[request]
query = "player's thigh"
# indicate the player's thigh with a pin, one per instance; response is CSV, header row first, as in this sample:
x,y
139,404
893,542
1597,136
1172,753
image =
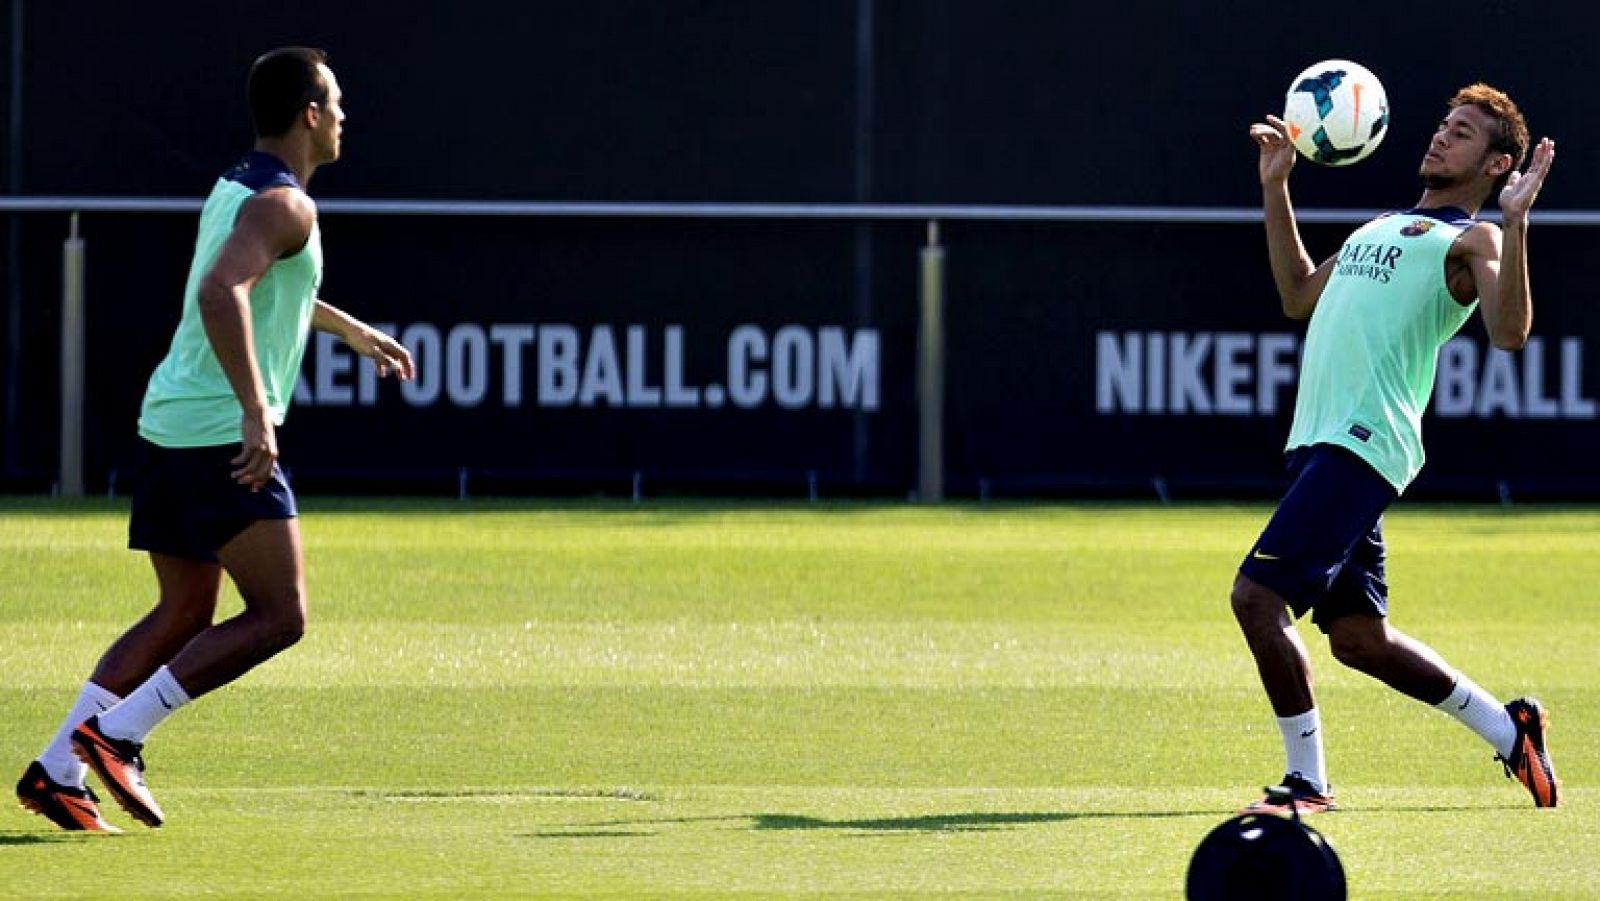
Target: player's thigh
x,y
1332,507
264,561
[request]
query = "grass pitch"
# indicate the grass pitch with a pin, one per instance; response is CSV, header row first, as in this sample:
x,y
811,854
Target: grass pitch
x,y
696,699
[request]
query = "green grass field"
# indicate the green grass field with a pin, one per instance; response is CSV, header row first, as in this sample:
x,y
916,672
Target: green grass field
x,y
710,699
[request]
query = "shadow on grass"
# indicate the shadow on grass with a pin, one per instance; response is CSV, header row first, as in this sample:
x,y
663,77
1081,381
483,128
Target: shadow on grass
x,y
929,823
590,833
944,822
499,794
46,838
939,822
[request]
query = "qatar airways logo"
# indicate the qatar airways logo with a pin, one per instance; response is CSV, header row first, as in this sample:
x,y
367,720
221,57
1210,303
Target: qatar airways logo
x,y
1370,261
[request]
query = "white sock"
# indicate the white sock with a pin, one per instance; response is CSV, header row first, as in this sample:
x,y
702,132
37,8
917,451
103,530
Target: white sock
x,y
1479,711
1302,744
58,759
145,708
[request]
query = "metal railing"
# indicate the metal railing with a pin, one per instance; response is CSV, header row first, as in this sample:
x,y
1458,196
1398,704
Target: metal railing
x,y
860,212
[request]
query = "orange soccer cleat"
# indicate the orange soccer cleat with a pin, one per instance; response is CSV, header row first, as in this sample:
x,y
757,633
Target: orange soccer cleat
x,y
119,766
1530,762
1301,795
73,809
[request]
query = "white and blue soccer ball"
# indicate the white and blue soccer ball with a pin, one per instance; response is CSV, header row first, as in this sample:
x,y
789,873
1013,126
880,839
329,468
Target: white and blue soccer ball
x,y
1337,112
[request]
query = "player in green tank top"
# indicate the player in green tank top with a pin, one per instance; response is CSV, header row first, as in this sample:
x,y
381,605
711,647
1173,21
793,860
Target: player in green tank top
x,y
190,401
211,497
1379,311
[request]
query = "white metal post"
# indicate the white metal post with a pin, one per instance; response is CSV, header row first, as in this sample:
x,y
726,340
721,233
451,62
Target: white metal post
x,y
930,372
70,481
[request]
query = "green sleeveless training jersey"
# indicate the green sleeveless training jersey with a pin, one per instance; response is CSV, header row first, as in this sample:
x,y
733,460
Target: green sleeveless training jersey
x,y
1372,348
189,402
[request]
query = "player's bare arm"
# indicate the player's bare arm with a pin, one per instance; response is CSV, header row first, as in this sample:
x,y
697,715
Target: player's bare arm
x,y
1298,279
1497,258
388,354
271,225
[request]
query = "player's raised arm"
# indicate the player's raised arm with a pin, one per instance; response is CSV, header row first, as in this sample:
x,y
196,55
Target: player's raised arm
x,y
1499,261
1298,279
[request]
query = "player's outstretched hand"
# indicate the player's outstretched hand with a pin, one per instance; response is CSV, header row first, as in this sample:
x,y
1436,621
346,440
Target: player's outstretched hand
x,y
388,354
1517,197
1277,151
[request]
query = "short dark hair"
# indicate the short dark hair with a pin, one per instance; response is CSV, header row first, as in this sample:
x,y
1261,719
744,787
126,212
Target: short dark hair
x,y
1510,132
282,82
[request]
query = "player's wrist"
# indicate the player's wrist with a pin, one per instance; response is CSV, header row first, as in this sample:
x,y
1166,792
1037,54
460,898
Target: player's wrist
x,y
354,332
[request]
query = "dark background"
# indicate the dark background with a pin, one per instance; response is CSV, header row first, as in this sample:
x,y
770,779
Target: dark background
x,y
830,101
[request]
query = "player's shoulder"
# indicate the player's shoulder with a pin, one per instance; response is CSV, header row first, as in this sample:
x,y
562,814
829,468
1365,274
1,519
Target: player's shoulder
x,y
1480,238
281,215
283,200
281,211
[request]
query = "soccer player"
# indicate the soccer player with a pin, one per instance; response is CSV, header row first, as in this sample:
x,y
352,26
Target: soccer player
x,y
211,498
1380,308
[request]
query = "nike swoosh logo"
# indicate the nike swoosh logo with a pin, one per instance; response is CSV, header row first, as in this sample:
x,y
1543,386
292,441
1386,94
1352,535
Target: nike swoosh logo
x,y
163,699
86,811
1463,704
1308,733
1259,554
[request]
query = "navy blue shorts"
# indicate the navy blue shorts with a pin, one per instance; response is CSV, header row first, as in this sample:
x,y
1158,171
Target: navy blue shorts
x,y
186,503
1323,548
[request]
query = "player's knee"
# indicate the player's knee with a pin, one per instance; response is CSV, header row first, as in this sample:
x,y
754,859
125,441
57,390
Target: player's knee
x,y
1254,605
1355,649
180,619
189,609
198,618
288,632
289,628
282,624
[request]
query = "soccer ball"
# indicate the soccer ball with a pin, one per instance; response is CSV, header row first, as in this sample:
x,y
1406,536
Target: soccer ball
x,y
1337,112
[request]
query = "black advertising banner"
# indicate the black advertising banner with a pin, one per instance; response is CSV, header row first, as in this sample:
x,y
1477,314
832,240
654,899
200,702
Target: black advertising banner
x,y
1082,358
1154,359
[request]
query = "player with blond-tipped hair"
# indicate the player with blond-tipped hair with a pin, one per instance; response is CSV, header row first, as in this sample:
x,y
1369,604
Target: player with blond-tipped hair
x,y
1380,309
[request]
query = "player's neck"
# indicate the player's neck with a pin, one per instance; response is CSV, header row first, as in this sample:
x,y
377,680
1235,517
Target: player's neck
x,y
295,154
1468,197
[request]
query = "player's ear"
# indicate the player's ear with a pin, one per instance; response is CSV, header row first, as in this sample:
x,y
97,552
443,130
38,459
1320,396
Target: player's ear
x,y
1500,164
312,113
